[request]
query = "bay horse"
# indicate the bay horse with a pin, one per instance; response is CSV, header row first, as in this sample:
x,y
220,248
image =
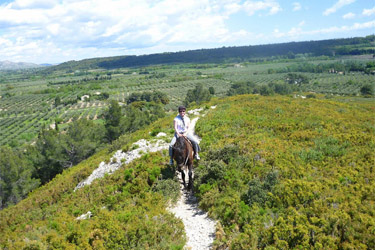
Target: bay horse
x,y
183,154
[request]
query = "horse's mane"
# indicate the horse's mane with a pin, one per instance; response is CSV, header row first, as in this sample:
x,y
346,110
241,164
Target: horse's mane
x,y
180,143
181,149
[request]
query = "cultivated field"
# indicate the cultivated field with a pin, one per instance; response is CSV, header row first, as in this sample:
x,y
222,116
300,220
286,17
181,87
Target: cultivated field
x,y
28,100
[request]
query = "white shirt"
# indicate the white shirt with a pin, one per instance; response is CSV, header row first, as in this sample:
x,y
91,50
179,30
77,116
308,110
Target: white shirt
x,y
181,127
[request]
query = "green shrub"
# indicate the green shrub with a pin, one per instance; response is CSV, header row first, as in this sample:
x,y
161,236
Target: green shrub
x,y
242,88
224,154
258,190
198,95
169,188
367,90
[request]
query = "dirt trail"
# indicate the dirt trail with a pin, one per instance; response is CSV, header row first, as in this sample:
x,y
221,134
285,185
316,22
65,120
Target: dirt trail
x,y
199,228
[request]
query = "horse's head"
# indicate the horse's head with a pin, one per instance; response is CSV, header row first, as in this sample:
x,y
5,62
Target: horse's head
x,y
180,151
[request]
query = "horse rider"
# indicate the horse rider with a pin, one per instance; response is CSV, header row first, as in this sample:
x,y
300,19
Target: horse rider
x,y
181,125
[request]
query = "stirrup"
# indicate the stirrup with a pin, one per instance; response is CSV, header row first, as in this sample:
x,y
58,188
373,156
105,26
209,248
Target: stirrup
x,y
197,157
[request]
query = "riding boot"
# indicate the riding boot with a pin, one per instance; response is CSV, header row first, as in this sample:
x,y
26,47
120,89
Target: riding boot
x,y
196,150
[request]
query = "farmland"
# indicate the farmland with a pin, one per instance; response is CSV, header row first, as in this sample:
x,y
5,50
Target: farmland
x,y
29,99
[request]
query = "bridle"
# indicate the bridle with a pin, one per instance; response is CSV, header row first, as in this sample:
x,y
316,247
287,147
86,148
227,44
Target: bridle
x,y
187,156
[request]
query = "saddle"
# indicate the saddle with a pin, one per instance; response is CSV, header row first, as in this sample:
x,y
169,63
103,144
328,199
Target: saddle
x,y
191,144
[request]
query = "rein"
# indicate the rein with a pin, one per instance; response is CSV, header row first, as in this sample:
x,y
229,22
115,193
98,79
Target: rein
x,y
188,153
187,156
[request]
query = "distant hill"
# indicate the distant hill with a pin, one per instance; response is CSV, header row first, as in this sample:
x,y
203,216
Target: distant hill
x,y
47,64
332,47
8,65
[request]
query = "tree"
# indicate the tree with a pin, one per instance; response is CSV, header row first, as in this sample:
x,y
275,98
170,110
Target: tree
x,y
50,159
197,95
291,55
265,90
82,139
135,118
57,101
113,118
134,97
156,96
293,78
15,177
281,88
242,88
54,152
367,90
211,90
140,114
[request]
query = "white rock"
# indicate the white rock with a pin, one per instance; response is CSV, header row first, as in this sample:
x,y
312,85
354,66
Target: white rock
x,y
195,111
84,216
120,158
161,134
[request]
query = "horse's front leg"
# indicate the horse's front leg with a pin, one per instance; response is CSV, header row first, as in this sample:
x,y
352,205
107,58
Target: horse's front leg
x,y
190,185
183,177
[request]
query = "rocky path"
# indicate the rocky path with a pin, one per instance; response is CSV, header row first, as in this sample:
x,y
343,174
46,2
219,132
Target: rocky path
x,y
200,230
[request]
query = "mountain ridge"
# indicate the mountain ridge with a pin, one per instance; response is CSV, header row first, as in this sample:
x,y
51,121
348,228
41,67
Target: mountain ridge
x,y
8,65
331,47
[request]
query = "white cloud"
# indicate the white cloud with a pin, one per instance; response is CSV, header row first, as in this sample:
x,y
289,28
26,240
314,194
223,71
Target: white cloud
x,y
60,30
272,6
5,42
336,6
296,6
369,12
33,4
197,30
13,16
298,32
53,28
349,15
232,8
111,25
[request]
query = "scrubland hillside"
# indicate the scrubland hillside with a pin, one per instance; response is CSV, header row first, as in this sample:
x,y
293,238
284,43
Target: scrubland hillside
x,y
276,172
284,173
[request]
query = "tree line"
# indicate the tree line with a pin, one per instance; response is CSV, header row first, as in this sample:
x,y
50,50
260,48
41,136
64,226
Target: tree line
x,y
331,47
242,53
349,66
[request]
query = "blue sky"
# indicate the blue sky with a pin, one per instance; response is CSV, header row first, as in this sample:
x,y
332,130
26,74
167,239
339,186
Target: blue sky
x,y
55,31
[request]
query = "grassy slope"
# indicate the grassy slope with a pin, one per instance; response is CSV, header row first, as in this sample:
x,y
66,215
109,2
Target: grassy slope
x,y
126,213
320,153
300,175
